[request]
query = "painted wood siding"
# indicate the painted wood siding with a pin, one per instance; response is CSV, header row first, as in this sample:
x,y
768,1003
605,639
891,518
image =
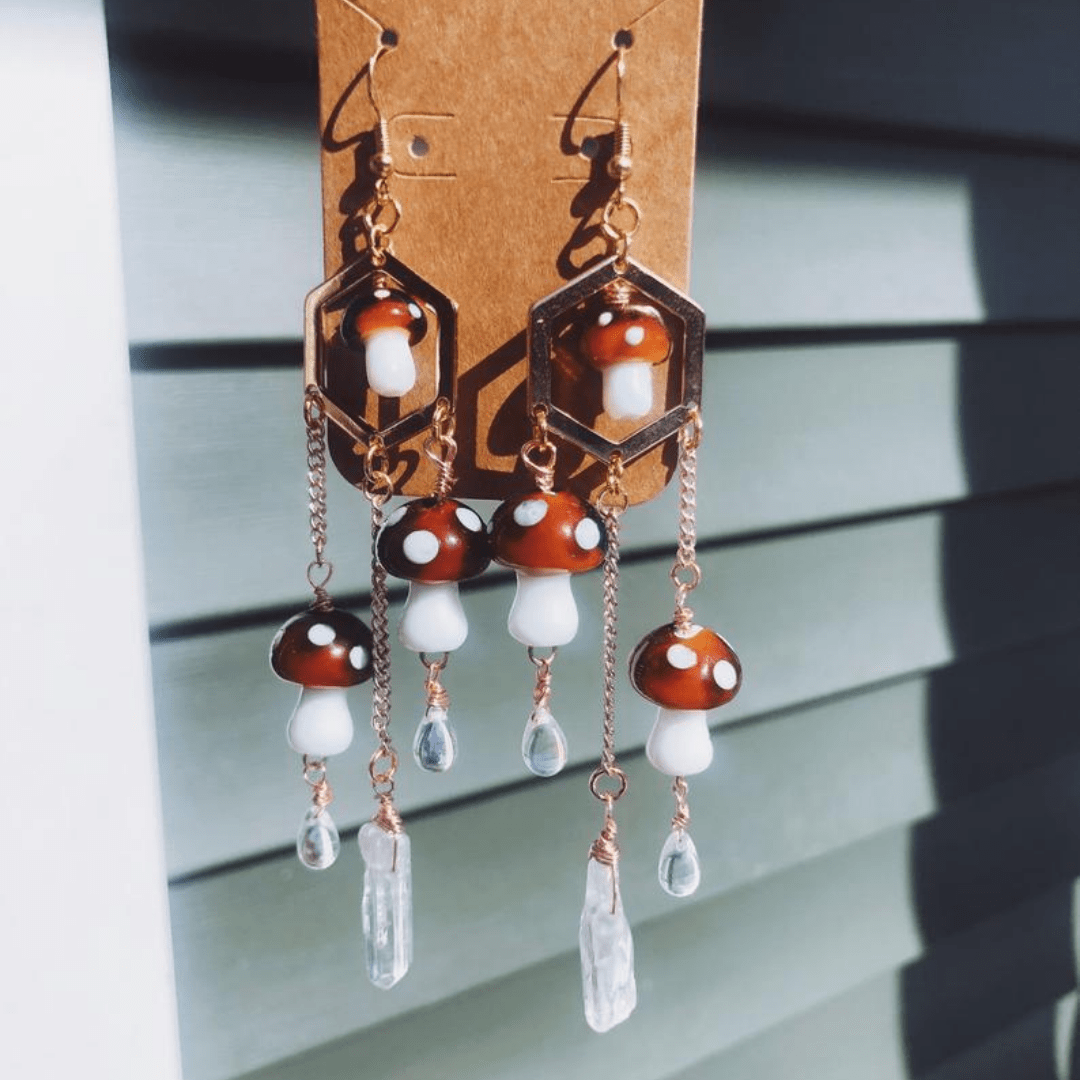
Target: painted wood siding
x,y
887,244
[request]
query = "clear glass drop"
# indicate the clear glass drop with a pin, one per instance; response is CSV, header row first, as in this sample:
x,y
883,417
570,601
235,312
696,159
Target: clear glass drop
x,y
317,842
386,908
607,951
435,745
543,746
680,869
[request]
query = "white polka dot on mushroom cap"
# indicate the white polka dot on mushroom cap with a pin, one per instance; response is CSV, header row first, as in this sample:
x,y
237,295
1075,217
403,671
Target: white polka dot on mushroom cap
x,y
381,294
587,534
724,675
358,657
321,634
634,335
469,518
605,319
420,547
681,657
530,512
397,515
414,311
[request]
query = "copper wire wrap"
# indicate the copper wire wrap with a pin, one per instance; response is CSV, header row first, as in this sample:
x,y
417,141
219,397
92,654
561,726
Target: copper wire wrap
x,y
437,697
542,689
539,453
441,447
320,568
681,819
686,573
314,771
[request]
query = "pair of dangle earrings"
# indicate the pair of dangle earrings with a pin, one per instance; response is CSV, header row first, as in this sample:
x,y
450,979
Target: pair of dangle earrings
x,y
363,329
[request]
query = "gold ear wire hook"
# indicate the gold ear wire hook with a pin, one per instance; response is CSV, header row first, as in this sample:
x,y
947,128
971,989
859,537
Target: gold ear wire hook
x,y
382,164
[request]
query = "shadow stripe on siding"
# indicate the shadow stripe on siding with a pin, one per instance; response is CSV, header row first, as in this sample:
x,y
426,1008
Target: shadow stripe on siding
x,y
811,615
783,940
794,436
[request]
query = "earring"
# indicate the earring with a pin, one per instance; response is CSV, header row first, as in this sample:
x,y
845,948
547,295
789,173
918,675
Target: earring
x,y
545,536
434,543
324,650
625,322
360,327
685,669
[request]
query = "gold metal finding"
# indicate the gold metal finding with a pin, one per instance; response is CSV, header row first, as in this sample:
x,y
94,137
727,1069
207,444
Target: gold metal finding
x,y
621,216
441,447
681,820
685,572
382,212
437,696
542,690
539,453
314,771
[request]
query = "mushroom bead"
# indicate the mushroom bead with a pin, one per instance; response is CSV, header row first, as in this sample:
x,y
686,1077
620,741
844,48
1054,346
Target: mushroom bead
x,y
623,342
434,543
685,671
385,324
546,536
325,652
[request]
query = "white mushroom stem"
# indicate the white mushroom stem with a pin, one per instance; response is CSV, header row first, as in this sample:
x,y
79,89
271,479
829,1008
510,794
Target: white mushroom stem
x,y
679,743
391,370
544,614
628,389
320,724
433,620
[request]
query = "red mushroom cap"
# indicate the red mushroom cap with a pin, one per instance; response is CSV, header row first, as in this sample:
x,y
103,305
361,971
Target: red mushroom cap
x,y
434,540
621,332
382,309
322,649
548,530
693,668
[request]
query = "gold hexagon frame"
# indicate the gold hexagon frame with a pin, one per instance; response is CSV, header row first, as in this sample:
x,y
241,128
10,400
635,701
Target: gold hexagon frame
x,y
689,350
338,291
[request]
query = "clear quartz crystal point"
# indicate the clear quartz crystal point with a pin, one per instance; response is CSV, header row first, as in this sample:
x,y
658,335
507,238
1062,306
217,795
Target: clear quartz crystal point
x,y
680,870
317,842
543,746
387,905
607,951
435,745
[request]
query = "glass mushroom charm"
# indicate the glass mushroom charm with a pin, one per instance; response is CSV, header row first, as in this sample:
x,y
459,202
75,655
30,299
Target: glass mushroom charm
x,y
546,536
623,341
385,324
434,543
685,669
325,651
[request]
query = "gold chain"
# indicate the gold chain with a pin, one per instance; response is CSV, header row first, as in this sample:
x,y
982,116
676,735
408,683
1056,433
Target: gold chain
x,y
612,502
378,487
686,573
320,568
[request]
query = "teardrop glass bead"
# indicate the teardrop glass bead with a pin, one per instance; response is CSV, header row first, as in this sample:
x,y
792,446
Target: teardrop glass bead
x,y
680,869
435,745
318,842
543,746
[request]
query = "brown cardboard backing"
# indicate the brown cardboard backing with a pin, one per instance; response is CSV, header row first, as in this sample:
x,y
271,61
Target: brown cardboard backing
x,y
504,206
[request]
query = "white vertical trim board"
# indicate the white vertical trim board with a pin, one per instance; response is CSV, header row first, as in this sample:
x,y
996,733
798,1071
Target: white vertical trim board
x,y
86,984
